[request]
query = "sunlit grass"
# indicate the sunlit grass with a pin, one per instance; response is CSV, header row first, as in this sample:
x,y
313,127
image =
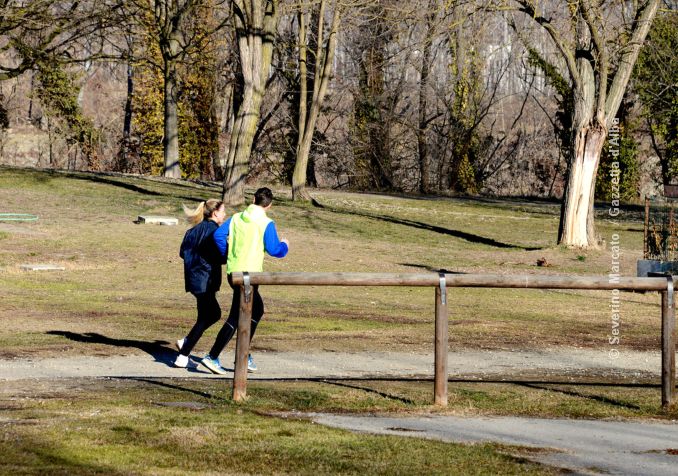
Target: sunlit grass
x,y
120,275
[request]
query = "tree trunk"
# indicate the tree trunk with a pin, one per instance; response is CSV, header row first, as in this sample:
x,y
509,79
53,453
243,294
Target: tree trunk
x,y
256,24
587,143
578,230
127,122
245,121
324,58
30,98
422,145
171,128
303,148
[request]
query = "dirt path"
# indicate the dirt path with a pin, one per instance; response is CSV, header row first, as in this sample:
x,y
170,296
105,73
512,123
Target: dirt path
x,y
463,364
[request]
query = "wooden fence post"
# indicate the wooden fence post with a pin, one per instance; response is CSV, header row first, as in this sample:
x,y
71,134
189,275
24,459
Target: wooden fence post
x,y
242,345
441,344
668,345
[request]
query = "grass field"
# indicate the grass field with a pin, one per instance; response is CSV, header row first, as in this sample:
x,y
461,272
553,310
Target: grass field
x,y
124,281
137,427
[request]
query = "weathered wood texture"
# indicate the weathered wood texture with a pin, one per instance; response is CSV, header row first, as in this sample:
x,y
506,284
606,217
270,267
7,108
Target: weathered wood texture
x,y
242,347
455,280
441,318
668,349
441,347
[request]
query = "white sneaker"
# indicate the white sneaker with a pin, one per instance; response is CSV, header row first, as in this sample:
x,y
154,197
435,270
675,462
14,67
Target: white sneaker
x,y
180,343
181,361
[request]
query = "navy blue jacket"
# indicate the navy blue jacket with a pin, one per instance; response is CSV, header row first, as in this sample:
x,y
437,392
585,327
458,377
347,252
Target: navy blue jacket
x,y
202,259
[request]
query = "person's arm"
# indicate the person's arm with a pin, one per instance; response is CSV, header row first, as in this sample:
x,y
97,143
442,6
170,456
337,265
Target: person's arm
x,y
272,244
221,237
184,243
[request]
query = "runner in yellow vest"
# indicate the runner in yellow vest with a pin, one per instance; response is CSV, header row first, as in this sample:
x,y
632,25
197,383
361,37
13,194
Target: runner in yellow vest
x,y
246,236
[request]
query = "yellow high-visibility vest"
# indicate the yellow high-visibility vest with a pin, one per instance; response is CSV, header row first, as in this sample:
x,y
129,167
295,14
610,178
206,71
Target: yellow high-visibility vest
x,y
246,240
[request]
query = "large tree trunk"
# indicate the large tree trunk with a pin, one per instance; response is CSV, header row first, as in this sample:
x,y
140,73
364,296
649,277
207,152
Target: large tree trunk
x,y
245,123
255,26
171,127
587,143
168,17
127,122
578,230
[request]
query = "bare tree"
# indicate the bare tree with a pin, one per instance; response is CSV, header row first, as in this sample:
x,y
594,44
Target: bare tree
x,y
39,29
309,108
599,59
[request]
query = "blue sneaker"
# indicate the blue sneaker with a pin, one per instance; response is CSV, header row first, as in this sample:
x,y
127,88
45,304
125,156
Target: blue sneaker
x,y
213,365
251,366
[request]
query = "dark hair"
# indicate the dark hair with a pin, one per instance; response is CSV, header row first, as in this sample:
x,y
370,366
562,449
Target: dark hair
x,y
263,197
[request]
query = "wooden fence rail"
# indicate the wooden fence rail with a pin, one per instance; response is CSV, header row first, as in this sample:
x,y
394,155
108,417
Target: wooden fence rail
x,y
441,282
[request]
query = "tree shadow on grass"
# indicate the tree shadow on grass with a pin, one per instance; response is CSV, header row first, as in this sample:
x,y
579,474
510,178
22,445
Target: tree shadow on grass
x,y
367,389
157,349
133,188
160,383
470,237
431,269
41,454
572,393
362,383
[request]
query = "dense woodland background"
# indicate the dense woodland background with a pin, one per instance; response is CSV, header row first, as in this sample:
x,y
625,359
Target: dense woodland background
x,y
432,96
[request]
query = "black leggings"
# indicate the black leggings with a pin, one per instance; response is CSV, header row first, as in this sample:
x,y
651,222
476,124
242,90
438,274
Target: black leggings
x,y
231,324
209,312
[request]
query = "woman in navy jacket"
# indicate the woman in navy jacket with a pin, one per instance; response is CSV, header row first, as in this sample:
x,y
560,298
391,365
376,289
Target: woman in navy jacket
x,y
202,271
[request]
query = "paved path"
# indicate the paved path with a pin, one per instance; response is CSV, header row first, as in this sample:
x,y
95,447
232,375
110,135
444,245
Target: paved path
x,y
585,446
473,364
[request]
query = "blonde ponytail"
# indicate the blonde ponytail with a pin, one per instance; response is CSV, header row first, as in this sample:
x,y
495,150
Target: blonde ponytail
x,y
204,211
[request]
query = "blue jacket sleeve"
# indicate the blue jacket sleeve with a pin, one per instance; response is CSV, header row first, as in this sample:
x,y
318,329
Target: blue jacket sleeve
x,y
221,237
272,243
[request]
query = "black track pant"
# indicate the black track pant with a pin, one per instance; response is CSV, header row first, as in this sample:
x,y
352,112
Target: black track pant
x,y
209,312
231,324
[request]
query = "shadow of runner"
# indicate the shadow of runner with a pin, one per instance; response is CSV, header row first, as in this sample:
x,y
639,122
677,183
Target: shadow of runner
x,y
157,349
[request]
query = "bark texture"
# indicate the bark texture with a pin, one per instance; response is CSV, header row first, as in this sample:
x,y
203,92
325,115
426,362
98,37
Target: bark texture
x,y
256,22
308,116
